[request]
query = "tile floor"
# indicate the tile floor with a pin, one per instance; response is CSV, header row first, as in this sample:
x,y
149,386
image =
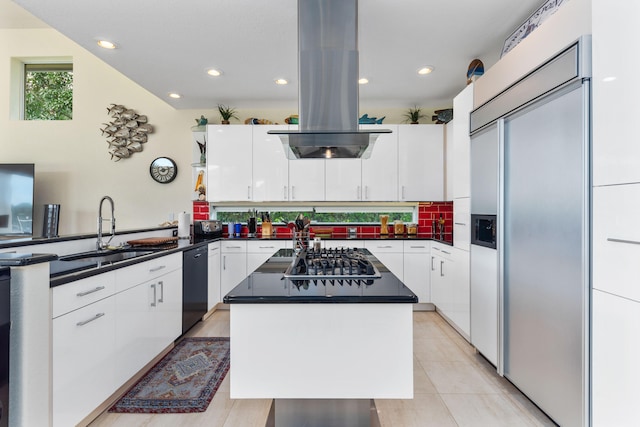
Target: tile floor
x,y
453,386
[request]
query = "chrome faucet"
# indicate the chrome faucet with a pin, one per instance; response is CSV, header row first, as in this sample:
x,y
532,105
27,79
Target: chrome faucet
x,y
99,244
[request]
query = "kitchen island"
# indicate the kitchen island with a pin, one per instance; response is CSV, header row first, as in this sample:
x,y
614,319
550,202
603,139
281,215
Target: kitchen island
x,y
320,347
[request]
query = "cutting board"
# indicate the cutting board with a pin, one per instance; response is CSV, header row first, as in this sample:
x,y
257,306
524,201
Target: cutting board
x,y
152,241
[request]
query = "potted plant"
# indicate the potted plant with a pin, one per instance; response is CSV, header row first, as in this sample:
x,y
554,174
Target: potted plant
x,y
226,113
413,115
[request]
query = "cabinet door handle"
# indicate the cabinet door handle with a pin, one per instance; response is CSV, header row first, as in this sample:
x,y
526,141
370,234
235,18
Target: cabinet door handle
x,y
441,268
197,255
432,266
161,284
224,262
359,192
459,223
248,192
631,242
293,192
84,322
285,192
84,293
153,304
158,268
402,191
366,192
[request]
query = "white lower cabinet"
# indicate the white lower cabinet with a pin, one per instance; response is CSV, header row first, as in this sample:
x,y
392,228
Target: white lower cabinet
x,y
149,318
450,290
416,268
213,275
442,273
99,346
390,253
615,355
233,268
84,366
484,301
258,251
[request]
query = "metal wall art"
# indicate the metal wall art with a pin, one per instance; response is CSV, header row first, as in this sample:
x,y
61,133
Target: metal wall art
x,y
126,132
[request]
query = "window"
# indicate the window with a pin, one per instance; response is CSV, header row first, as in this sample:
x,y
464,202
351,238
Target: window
x,y
48,91
320,215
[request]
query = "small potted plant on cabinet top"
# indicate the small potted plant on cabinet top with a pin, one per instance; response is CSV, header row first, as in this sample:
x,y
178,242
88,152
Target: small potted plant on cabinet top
x,y
226,113
413,115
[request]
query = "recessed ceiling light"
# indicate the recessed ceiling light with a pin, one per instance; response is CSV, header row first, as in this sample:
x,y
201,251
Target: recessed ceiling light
x,y
363,81
425,70
281,81
105,44
213,72
175,95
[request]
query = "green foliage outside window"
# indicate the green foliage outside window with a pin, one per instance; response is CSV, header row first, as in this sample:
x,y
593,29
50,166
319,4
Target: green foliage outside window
x,y
321,217
48,92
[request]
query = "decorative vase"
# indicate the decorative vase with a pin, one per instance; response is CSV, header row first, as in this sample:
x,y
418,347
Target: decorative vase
x,y
226,122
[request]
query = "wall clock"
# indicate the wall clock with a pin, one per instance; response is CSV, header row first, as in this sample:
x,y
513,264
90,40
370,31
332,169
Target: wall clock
x,y
163,170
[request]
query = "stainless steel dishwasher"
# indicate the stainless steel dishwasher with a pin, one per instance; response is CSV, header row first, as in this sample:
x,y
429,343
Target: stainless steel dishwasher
x,y
194,286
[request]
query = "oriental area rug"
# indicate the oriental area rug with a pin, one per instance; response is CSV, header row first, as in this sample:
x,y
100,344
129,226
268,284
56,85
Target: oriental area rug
x,y
184,380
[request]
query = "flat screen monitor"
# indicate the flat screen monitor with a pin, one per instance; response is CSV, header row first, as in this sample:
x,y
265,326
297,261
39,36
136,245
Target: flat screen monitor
x,y
16,199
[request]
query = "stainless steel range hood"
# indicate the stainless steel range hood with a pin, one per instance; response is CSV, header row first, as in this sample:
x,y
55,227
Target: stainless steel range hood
x,y
328,84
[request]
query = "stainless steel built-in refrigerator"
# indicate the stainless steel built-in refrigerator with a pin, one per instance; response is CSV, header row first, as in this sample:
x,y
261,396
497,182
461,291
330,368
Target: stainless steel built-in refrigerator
x,y
544,123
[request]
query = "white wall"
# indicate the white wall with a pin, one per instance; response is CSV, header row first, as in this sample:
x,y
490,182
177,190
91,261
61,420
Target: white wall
x,y
572,20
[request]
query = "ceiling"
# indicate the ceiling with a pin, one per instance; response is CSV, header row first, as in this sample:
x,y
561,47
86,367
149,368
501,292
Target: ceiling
x,y
167,45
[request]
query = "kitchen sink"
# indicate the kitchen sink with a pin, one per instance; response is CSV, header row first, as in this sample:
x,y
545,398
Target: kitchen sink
x,y
105,256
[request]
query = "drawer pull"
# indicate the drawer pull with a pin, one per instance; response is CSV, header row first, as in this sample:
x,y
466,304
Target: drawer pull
x,y
385,247
85,293
266,247
158,268
631,242
460,223
213,249
234,247
418,247
445,252
84,322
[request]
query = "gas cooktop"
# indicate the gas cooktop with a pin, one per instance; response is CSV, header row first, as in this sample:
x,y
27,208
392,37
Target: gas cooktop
x,y
332,263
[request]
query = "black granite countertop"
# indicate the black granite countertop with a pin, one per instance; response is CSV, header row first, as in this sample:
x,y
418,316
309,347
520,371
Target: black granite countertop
x,y
267,285
13,259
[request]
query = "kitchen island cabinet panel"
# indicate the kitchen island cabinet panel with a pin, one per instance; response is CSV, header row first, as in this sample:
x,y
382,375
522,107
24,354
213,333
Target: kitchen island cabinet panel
x,y
84,362
229,163
270,165
380,171
420,165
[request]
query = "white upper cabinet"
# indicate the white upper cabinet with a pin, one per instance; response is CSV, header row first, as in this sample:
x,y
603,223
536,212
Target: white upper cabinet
x,y
306,178
380,171
616,152
343,180
270,165
420,165
460,140
229,163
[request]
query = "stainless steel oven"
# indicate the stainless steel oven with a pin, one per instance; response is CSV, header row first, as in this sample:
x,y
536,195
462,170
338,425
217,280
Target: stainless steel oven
x,y
483,230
